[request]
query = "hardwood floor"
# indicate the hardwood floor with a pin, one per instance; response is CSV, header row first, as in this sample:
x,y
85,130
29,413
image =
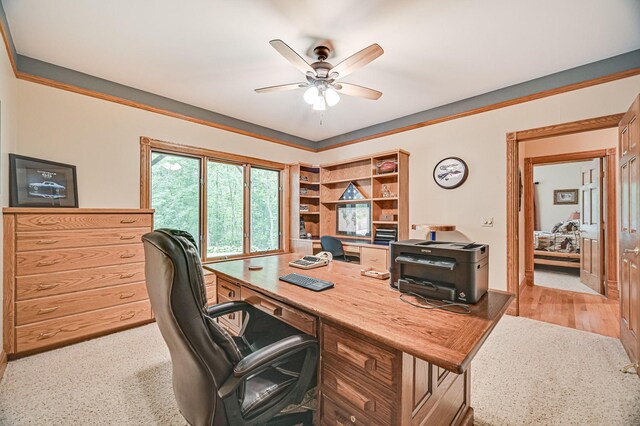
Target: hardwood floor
x,y
587,312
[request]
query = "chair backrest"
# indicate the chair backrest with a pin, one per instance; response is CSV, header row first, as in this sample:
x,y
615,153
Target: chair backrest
x,y
202,353
332,245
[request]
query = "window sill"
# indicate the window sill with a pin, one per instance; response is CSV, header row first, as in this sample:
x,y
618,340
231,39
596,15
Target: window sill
x,y
241,256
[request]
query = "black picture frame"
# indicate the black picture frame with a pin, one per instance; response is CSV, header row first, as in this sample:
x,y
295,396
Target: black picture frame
x,y
353,206
441,176
34,182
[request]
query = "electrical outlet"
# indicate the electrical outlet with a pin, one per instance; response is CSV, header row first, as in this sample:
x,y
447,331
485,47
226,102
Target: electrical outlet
x,y
487,221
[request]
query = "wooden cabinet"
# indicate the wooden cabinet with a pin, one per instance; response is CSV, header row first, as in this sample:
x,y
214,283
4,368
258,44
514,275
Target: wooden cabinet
x,y
374,257
71,274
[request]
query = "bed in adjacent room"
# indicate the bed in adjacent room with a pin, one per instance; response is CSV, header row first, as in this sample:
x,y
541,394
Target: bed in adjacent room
x,y
560,246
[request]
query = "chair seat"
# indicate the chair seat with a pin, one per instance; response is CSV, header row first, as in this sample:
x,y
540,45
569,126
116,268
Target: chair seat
x,y
261,389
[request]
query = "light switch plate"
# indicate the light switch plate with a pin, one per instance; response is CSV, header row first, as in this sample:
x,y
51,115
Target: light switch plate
x,y
487,221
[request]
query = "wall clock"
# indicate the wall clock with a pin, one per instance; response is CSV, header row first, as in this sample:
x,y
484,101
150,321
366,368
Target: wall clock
x,y
450,173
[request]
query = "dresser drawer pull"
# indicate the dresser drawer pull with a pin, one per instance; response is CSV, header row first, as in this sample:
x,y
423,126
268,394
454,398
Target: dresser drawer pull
x,y
47,262
47,241
48,310
127,316
127,237
355,356
123,276
355,397
47,334
127,295
128,220
127,255
46,286
47,222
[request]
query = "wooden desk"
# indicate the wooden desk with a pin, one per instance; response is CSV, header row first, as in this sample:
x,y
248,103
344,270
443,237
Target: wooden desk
x,y
382,361
373,255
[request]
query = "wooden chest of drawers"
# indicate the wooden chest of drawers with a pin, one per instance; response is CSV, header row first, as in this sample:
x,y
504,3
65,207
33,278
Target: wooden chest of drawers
x,y
71,274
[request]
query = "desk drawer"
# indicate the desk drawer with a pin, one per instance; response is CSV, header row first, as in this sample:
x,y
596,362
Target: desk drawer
x,y
40,262
47,222
212,295
29,241
44,308
335,415
368,359
228,290
375,258
351,393
232,321
32,286
75,327
285,313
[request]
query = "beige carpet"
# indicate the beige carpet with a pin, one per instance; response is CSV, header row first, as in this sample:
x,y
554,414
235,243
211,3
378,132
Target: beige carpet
x,y
560,279
528,373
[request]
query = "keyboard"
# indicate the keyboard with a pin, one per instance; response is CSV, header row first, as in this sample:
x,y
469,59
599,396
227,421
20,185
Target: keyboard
x,y
310,283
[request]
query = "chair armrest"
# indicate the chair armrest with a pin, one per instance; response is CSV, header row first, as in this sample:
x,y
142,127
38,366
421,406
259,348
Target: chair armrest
x,y
267,356
272,353
226,308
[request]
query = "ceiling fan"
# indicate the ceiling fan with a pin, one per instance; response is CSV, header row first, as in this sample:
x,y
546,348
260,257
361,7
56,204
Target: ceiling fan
x,y
322,87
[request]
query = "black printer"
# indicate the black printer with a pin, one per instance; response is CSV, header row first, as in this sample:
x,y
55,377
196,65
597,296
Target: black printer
x,y
441,270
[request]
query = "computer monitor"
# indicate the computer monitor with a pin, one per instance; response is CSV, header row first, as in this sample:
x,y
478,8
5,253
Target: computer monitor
x,y
354,219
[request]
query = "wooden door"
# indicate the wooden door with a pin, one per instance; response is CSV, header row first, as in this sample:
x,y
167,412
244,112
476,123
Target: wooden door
x,y
629,148
591,226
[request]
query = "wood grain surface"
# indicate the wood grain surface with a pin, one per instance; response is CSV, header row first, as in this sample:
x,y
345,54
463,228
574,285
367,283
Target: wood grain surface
x,y
371,308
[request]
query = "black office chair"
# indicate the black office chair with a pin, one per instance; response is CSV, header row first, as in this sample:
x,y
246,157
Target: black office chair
x,y
219,379
334,246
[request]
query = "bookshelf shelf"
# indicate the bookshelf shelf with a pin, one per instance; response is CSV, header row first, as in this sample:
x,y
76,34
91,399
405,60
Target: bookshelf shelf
x,y
385,222
364,200
331,182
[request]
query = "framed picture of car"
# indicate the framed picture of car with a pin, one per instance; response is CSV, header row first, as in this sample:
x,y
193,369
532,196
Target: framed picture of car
x,y
41,183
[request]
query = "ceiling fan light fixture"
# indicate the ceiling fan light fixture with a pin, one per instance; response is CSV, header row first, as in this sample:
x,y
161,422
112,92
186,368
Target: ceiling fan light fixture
x,y
320,104
310,95
331,96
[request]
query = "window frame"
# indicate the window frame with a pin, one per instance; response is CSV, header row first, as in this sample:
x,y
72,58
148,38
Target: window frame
x,y
149,145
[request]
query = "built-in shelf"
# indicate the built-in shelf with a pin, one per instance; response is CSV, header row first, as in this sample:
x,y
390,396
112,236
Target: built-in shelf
x,y
309,212
305,182
385,199
352,237
329,182
310,196
385,222
385,175
364,200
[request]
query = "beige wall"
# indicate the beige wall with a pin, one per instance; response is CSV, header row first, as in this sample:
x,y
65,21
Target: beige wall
x,y
8,133
480,141
103,140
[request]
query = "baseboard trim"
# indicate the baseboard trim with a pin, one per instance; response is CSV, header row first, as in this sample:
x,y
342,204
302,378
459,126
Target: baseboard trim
x,y
612,290
3,363
523,284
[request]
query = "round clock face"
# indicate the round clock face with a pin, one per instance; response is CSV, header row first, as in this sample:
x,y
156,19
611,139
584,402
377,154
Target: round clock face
x,y
450,173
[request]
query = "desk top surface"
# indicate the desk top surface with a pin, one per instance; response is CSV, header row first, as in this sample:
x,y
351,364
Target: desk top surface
x,y
370,307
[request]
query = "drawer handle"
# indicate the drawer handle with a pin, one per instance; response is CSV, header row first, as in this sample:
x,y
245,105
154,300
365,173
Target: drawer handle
x,y
47,334
127,237
355,397
47,222
128,220
355,356
48,310
46,286
230,293
344,421
47,262
47,241
127,295
270,308
127,316
127,255
123,276
232,316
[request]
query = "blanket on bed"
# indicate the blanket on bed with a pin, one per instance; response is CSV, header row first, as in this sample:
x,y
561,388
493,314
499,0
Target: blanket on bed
x,y
563,238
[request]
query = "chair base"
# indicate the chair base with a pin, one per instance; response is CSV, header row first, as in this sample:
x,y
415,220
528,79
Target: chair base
x,y
304,418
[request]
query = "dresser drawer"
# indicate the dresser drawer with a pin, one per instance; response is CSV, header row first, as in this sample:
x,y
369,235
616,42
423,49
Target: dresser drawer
x,y
28,241
285,313
369,360
43,222
29,311
355,394
375,258
74,327
39,262
335,415
32,286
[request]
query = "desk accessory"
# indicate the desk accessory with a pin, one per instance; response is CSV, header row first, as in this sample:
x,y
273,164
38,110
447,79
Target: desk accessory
x,y
310,262
255,268
370,272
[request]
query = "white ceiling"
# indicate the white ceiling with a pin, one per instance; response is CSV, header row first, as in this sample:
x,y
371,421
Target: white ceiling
x,y
213,53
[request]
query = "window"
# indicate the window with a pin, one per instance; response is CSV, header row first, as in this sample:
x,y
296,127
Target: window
x,y
232,205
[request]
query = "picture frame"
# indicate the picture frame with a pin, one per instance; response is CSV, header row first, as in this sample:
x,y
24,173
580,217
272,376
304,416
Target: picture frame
x,y
565,196
450,172
34,182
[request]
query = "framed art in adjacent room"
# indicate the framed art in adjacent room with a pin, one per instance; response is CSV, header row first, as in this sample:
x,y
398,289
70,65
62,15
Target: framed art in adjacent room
x,y
565,196
41,183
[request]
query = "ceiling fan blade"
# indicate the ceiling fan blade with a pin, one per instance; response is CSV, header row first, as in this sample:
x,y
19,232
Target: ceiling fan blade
x,y
357,61
291,56
359,91
281,88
